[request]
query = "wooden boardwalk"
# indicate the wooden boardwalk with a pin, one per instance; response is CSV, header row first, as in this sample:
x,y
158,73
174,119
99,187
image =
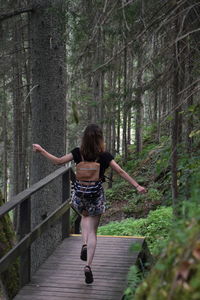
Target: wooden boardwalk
x,y
62,276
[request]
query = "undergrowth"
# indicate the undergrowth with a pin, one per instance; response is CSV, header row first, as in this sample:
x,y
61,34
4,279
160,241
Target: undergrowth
x,y
155,228
177,271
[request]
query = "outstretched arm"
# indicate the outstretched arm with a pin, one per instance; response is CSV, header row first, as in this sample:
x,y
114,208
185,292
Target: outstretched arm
x,y
127,177
56,160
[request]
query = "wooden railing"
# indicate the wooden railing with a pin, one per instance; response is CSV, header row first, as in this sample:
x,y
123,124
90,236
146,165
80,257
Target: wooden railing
x,y
27,236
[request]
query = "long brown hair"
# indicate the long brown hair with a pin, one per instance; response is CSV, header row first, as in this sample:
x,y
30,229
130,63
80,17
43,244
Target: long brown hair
x,y
92,142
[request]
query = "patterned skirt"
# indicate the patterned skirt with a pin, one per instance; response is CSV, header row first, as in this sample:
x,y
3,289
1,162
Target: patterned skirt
x,y
92,207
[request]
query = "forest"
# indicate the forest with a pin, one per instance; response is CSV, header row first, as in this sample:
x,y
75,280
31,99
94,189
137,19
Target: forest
x,y
132,67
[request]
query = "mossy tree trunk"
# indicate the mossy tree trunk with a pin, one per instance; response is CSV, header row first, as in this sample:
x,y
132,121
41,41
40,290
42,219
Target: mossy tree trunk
x,y
10,278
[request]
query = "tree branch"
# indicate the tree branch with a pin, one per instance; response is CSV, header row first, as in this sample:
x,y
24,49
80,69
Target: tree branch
x,y
12,13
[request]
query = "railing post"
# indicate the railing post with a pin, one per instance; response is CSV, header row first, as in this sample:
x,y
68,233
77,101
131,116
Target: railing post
x,y
25,228
66,191
77,225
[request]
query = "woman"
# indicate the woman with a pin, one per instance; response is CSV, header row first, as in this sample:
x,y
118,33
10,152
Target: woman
x,y
92,149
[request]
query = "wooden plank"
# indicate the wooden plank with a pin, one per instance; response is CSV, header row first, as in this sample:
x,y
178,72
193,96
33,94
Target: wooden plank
x,y
112,274
62,275
78,287
100,261
60,281
16,200
60,267
60,295
79,271
103,285
84,290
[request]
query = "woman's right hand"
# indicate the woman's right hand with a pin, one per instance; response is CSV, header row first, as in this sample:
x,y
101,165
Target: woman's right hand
x,y
37,148
141,189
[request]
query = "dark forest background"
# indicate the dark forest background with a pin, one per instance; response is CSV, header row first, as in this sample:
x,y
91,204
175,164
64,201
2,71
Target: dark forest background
x,y
130,66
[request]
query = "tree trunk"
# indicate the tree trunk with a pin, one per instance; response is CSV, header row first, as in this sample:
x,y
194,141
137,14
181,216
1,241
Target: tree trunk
x,y
97,81
9,278
89,106
175,126
102,58
18,161
182,69
189,123
47,24
17,115
129,127
124,143
129,96
26,109
159,117
5,144
109,113
118,115
139,106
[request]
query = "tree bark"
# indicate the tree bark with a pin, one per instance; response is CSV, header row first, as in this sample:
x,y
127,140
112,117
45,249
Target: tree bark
x,y
124,143
48,60
27,107
118,115
10,278
175,125
190,101
5,143
19,171
139,106
130,97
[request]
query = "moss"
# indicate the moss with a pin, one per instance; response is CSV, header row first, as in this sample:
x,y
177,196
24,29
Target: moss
x,y
10,278
176,274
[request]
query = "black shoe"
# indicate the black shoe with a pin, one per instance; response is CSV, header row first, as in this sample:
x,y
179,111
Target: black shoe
x,y
88,275
83,255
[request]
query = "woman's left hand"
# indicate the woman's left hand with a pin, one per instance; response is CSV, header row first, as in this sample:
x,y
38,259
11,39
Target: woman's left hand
x,y
141,189
37,148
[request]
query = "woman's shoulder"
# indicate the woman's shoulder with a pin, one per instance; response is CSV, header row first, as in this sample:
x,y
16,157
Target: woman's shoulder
x,y
75,150
106,155
76,154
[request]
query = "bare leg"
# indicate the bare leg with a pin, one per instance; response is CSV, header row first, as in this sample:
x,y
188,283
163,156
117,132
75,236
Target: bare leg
x,y
92,225
84,233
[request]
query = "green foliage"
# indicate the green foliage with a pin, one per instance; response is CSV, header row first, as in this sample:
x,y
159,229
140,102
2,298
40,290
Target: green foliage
x,y
134,279
163,160
137,203
188,173
147,149
154,194
155,228
177,271
125,227
131,164
149,132
118,192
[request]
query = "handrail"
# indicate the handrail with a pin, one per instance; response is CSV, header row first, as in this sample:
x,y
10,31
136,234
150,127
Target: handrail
x,y
19,198
27,237
23,245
